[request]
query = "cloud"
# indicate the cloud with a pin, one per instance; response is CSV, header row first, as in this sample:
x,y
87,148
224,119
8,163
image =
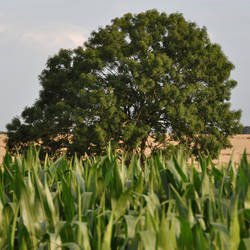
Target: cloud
x,y
46,37
53,39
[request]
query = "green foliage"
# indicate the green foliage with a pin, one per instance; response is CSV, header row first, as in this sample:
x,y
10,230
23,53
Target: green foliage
x,y
145,74
101,203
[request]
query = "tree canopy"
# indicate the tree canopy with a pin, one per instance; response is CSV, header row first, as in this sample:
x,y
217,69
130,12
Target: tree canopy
x,y
143,75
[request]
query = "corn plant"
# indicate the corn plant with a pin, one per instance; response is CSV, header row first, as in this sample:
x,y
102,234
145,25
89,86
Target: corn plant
x,y
109,202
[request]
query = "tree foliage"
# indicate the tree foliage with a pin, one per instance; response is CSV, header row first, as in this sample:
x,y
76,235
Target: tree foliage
x,y
142,75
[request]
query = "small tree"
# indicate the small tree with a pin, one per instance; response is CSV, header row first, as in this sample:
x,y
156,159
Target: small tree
x,y
143,75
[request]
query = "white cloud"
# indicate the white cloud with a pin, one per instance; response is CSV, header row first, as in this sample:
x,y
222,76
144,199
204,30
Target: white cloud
x,y
53,39
48,38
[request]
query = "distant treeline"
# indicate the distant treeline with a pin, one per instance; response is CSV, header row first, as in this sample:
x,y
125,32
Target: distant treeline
x,y
246,130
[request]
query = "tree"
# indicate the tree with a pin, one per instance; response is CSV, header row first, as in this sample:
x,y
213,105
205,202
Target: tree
x,y
142,75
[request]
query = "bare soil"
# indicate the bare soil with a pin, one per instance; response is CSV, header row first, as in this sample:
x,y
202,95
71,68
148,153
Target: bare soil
x,y
239,142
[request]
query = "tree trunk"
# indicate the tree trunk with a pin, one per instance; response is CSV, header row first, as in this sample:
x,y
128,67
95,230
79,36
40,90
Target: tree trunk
x,y
143,147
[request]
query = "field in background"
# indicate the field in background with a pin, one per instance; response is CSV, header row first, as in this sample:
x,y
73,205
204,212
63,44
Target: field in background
x,y
2,146
239,142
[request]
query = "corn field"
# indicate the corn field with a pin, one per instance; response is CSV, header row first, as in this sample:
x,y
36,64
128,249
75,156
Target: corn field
x,y
109,202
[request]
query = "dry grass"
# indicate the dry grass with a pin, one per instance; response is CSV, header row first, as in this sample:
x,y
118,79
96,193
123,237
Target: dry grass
x,y
2,146
239,142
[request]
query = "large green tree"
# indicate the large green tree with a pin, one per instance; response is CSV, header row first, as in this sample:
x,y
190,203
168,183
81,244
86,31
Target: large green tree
x,y
143,75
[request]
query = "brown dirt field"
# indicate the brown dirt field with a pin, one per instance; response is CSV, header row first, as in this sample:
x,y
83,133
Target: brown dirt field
x,y
239,142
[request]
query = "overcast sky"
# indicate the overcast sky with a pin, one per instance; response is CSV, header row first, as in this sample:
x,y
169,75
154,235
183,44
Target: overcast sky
x,y
31,31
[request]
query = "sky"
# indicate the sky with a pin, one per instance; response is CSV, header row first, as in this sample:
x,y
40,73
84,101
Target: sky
x,y
32,31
